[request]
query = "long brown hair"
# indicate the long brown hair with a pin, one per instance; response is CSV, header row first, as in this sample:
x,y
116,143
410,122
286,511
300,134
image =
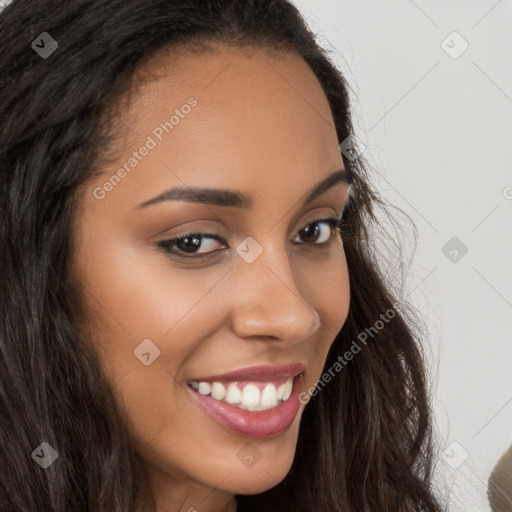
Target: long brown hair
x,y
366,438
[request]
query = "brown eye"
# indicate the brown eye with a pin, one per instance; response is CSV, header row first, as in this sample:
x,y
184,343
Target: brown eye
x,y
186,245
314,235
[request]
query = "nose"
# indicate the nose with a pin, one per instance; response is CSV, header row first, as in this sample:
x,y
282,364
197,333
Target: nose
x,y
268,302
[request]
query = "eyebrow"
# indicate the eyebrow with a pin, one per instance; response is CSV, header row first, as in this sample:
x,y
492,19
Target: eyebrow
x,y
236,199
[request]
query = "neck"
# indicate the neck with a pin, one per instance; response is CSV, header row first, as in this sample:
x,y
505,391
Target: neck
x,y
187,496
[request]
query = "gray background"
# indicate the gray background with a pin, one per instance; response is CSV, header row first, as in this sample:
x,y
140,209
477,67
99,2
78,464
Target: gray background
x,y
438,130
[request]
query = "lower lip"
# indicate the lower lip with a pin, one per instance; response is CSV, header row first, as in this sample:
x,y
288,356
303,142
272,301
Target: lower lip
x,y
252,423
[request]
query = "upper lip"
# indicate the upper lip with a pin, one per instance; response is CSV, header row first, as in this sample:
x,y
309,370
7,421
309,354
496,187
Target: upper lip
x,y
263,373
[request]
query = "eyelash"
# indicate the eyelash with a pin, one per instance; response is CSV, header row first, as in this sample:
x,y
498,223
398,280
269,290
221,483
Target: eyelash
x,y
167,245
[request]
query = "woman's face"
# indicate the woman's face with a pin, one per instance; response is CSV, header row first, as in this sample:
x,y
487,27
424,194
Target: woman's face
x,y
272,291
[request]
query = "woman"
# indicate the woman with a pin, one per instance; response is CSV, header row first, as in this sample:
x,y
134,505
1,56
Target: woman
x,y
193,316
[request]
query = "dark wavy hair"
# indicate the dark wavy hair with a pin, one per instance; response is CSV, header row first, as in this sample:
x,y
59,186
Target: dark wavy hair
x,y
366,441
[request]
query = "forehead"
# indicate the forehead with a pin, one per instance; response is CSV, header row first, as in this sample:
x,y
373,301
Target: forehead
x,y
222,118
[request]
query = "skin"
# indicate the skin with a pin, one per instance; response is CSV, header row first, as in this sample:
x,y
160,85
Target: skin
x,y
263,126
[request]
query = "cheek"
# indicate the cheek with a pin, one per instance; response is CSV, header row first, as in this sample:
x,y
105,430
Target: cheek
x,y
329,293
131,298
139,294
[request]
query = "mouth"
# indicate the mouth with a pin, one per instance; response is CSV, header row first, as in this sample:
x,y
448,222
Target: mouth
x,y
256,401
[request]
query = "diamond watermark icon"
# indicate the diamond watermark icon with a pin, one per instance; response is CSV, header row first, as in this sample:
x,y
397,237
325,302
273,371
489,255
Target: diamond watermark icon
x,y
454,249
249,455
454,45
455,455
351,148
249,249
44,45
45,455
146,352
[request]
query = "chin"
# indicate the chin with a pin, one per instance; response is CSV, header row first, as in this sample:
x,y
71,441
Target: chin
x,y
258,481
264,474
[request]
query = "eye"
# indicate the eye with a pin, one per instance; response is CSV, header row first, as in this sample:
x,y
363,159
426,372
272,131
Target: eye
x,y
316,236
188,243
200,246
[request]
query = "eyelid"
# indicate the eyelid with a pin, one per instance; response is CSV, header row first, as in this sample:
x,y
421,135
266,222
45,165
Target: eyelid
x,y
215,234
202,230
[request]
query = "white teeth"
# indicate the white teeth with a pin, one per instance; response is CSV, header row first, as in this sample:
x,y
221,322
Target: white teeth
x,y
204,388
287,389
233,394
269,397
250,397
218,391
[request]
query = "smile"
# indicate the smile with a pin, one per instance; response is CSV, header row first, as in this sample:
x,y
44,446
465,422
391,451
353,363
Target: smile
x,y
254,402
251,396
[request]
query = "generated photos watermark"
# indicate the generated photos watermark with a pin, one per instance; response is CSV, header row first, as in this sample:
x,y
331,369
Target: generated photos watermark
x,y
158,133
355,348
